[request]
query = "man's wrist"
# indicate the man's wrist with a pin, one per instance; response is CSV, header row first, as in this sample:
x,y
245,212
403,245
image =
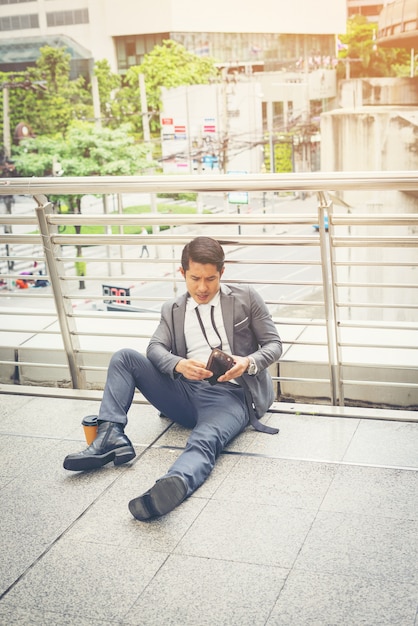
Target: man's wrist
x,y
252,368
178,366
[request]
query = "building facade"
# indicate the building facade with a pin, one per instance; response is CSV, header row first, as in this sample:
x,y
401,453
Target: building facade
x,y
368,8
277,35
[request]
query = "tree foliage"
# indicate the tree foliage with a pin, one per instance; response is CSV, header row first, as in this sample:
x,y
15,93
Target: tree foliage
x,y
168,65
87,150
109,85
363,53
50,101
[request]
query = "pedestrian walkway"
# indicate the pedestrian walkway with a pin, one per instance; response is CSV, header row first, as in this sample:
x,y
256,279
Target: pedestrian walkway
x,y
315,526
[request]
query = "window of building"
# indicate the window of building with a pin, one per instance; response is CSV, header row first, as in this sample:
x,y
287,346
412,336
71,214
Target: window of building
x,y
131,50
14,1
18,22
67,18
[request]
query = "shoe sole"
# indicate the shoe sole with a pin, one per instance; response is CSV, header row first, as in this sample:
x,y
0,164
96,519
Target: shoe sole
x,y
164,496
119,457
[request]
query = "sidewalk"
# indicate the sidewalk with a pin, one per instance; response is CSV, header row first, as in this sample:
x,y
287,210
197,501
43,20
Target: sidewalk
x,y
315,526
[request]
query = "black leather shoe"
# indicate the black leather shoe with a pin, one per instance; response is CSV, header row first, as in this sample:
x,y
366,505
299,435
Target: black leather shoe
x,y
163,497
111,444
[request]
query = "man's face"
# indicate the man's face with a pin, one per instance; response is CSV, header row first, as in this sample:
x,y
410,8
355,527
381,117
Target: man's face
x,y
203,281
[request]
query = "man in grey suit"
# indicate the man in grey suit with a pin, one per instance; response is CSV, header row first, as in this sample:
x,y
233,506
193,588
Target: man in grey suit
x,y
173,376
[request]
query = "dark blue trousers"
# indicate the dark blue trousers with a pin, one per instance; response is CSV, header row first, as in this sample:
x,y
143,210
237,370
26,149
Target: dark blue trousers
x,y
215,413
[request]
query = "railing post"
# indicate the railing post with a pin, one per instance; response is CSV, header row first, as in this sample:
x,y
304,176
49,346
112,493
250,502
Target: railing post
x,y
330,310
62,304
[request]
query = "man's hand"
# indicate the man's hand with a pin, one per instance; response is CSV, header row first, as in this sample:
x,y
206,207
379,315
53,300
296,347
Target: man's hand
x,y
193,370
240,366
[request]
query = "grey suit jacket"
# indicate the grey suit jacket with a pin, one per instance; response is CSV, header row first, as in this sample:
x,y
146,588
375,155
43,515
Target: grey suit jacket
x,y
249,328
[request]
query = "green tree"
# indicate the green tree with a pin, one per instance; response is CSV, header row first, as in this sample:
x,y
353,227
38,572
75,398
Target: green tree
x,y
168,65
363,53
87,150
109,84
45,97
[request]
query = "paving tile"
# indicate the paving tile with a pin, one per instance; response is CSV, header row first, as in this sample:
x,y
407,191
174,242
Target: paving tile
x,y
361,546
47,417
373,492
306,437
45,499
263,534
19,552
177,436
307,527
190,591
78,579
121,529
18,453
385,443
10,404
15,616
312,598
255,480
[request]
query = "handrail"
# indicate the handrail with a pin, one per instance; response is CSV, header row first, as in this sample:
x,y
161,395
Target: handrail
x,y
338,318
319,181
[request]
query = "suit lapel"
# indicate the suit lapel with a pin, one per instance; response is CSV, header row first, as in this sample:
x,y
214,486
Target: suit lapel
x,y
227,306
179,313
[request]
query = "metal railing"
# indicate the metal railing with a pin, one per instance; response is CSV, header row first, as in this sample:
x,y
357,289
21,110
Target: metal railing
x,y
343,294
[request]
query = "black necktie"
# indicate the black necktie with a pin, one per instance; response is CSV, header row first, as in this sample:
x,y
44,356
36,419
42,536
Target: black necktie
x,y
212,319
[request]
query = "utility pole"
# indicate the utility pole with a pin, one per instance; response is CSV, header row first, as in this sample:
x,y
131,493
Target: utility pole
x,y
225,122
147,139
7,144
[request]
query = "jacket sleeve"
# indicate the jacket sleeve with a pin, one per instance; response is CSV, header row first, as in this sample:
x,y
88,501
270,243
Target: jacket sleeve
x,y
161,348
265,344
260,340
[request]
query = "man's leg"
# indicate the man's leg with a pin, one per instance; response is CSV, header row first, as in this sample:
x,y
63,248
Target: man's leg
x,y
129,369
222,414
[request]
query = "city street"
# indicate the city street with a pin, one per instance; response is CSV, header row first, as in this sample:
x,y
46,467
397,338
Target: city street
x,y
239,266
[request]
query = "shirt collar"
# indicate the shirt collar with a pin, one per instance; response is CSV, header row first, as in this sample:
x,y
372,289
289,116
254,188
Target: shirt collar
x,y
192,304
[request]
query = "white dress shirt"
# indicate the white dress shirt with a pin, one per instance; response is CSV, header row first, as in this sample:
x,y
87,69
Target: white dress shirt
x,y
196,344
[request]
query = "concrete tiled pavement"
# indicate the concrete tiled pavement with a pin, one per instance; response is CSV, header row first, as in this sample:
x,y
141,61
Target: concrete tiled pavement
x,y
315,526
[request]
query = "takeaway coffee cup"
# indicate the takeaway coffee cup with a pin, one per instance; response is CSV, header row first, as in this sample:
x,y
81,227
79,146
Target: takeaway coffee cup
x,y
90,428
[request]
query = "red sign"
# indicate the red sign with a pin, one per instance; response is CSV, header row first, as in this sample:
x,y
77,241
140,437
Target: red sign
x,y
167,121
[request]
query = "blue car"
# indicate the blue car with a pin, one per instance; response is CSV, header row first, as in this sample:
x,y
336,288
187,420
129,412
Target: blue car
x,y
316,226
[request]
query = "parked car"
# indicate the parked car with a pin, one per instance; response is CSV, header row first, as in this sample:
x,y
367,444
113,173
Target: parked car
x,y
316,226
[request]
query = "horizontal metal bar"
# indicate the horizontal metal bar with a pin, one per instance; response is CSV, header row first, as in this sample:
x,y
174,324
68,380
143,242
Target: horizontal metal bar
x,y
382,263
381,242
382,366
385,383
99,185
377,325
158,279
34,364
26,239
398,219
377,285
300,379
117,240
386,346
375,305
18,220
169,260
172,219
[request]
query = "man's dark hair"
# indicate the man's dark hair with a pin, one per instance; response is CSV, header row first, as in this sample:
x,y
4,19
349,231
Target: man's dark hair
x,y
203,250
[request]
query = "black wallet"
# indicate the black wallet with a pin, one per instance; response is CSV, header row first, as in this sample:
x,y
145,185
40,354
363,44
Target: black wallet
x,y
219,362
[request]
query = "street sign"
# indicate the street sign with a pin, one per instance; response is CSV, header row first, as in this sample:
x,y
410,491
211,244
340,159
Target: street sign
x,y
238,197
